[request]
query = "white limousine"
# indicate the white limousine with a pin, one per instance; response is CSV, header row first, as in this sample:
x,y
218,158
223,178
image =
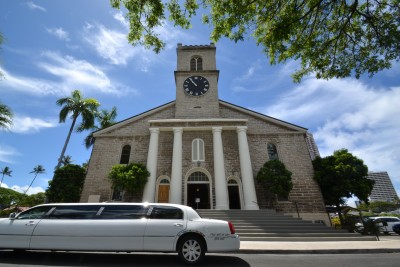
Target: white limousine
x,y
122,227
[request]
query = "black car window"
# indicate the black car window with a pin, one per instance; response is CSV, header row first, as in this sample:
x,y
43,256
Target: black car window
x,y
165,212
34,213
74,212
122,212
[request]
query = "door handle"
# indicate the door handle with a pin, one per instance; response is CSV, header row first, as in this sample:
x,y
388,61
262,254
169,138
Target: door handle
x,y
30,223
178,224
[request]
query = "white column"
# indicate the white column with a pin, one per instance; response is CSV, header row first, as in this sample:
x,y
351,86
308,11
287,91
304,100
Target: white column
x,y
221,188
175,195
150,187
249,190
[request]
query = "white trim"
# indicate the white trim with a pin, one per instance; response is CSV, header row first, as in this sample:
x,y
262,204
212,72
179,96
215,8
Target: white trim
x,y
135,118
264,117
210,183
197,120
199,147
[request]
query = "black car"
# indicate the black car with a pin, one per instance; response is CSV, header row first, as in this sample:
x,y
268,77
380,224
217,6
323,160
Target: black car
x,y
396,228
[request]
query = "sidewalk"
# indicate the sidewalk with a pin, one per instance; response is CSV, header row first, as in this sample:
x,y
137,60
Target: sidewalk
x,y
388,244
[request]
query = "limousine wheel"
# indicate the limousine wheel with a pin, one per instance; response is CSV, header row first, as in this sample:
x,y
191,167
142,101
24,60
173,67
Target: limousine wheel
x,y
191,250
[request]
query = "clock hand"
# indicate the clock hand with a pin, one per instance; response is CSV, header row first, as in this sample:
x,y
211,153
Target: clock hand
x,y
192,81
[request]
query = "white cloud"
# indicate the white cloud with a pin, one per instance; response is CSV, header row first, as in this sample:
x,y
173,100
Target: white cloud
x,y
30,85
7,153
33,6
31,191
348,114
113,45
74,71
31,125
256,79
121,19
69,73
59,33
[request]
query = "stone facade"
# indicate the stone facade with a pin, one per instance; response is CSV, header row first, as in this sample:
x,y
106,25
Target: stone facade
x,y
198,117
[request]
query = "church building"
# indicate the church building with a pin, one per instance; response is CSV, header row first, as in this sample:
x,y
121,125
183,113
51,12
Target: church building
x,y
205,152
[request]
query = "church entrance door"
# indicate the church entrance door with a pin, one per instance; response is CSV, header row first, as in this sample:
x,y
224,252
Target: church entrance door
x,y
163,190
234,197
163,193
198,196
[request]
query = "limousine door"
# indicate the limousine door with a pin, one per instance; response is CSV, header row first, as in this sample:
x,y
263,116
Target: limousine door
x,y
16,233
109,228
162,228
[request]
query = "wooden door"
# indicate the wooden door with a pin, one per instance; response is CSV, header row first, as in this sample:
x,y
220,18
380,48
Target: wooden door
x,y
163,193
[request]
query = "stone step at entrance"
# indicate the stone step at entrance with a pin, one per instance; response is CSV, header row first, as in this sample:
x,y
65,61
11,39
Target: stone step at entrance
x,y
268,225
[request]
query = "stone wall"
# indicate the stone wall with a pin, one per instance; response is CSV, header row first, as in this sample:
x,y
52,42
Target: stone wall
x,y
289,141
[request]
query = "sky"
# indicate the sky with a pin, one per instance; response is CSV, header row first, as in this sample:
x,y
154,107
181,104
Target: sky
x,y
54,47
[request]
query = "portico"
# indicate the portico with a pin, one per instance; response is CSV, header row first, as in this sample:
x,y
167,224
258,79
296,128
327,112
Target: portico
x,y
220,178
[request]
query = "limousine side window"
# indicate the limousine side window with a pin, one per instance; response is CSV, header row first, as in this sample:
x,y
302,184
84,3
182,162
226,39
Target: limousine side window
x,y
35,213
74,212
165,212
122,212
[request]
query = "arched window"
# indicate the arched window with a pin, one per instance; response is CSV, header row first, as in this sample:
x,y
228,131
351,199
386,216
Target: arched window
x,y
197,150
198,177
125,154
196,63
272,152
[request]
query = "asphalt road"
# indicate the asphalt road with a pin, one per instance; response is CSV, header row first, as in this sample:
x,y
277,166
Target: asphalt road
x,y
36,259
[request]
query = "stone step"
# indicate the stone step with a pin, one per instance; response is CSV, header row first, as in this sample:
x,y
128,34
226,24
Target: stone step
x,y
268,225
309,238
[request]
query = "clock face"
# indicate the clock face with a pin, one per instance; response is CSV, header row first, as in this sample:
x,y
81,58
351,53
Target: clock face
x,y
196,86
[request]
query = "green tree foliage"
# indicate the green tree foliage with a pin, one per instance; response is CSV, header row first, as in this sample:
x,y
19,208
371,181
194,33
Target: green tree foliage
x,y
379,206
66,160
330,38
105,118
67,184
6,116
32,200
11,198
276,178
131,177
6,171
341,176
77,106
8,197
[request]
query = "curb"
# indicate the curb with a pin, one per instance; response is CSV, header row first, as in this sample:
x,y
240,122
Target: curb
x,y
318,251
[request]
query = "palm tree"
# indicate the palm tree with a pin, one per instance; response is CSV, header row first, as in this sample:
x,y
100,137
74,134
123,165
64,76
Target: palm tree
x,y
77,106
105,118
1,41
66,160
5,171
37,170
5,116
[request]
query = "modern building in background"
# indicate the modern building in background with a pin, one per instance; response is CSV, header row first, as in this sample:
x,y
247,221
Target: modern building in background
x,y
383,188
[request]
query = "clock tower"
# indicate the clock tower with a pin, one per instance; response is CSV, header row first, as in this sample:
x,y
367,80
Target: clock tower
x,y
196,80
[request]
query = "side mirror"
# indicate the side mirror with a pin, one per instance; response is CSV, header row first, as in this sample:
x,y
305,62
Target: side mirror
x,y
12,216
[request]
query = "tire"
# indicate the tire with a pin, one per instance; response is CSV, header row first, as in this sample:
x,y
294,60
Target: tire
x,y
191,250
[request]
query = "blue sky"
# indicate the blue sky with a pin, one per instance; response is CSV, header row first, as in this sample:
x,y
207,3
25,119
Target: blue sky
x,y
54,47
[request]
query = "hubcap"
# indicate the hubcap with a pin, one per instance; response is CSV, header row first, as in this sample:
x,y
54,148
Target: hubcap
x,y
191,250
